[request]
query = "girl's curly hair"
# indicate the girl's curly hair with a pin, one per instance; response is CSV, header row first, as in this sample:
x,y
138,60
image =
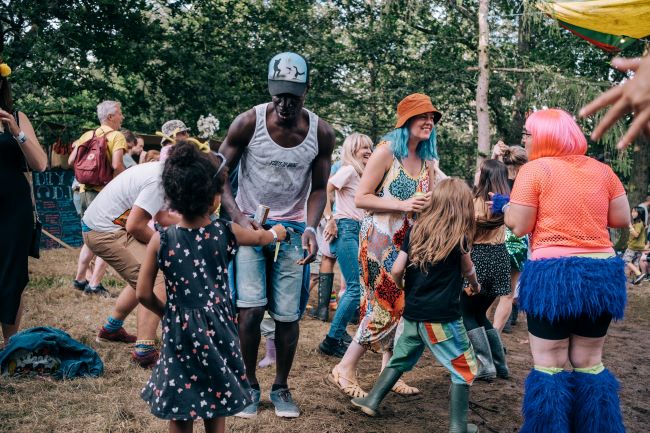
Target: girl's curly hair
x,y
191,181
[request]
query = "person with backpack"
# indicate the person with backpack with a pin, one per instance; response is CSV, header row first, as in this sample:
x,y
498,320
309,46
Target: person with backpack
x,y
97,157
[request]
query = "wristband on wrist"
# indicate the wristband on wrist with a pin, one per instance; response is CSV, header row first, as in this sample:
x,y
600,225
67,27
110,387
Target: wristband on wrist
x,y
21,138
310,229
505,207
275,235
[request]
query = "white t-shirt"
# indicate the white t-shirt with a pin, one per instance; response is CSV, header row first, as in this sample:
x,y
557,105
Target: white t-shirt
x,y
346,180
139,186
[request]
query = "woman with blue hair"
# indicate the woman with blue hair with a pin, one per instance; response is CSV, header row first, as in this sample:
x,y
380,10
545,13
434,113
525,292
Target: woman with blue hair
x,y
394,187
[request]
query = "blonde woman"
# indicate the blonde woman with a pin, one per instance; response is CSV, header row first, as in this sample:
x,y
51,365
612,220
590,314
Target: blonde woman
x,y
342,231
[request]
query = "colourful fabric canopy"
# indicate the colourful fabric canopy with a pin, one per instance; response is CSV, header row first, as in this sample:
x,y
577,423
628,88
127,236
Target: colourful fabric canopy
x,y
608,24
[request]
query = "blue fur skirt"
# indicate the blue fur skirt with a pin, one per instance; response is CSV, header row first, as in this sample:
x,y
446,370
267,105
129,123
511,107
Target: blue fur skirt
x,y
567,287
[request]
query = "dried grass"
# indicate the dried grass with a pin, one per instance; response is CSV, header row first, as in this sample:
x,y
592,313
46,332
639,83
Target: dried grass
x,y
111,404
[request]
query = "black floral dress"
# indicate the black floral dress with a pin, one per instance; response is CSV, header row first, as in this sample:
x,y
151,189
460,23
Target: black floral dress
x,y
200,373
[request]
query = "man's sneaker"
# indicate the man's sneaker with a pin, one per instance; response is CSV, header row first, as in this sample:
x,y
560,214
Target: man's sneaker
x,y
347,339
638,279
97,290
80,285
285,407
148,360
332,347
250,411
119,336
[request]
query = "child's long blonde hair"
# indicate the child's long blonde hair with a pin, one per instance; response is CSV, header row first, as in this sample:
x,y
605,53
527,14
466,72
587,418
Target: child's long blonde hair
x,y
351,145
446,222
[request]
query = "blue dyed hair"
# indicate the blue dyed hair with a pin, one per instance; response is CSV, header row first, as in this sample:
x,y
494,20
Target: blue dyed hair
x,y
399,139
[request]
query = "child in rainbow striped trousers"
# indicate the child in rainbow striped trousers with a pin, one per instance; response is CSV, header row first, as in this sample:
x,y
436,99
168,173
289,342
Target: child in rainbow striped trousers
x,y
430,267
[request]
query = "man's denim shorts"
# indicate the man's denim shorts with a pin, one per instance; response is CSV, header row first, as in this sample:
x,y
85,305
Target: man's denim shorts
x,y
262,282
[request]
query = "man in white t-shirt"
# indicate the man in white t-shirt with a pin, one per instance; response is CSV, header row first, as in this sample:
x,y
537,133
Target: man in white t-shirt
x,y
115,227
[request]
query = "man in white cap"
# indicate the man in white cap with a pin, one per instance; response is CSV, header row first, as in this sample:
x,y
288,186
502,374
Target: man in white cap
x,y
284,152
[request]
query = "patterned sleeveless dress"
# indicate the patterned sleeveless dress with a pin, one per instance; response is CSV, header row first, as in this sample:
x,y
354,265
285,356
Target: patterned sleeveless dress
x,y
381,236
200,373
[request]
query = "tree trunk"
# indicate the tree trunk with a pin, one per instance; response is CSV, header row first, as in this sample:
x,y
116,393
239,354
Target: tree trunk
x,y
482,113
640,177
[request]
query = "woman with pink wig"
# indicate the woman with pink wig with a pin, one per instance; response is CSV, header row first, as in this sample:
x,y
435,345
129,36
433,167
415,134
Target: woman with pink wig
x,y
574,284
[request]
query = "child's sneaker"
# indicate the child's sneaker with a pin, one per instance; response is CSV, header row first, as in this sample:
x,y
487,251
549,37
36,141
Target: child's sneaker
x,y
119,336
250,411
638,279
148,360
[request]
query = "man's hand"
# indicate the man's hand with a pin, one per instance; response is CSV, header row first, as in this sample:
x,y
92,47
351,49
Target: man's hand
x,y
309,245
631,96
246,222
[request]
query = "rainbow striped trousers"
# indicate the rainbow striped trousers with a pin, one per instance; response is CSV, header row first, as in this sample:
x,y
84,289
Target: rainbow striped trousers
x,y
447,341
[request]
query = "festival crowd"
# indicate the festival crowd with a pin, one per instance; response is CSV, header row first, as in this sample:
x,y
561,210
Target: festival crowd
x,y
218,246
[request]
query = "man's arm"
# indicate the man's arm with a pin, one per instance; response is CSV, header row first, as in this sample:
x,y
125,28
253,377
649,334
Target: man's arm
x,y
137,224
320,173
239,135
117,163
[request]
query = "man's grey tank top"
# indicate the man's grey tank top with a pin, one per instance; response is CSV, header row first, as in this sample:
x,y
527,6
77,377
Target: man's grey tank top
x,y
274,176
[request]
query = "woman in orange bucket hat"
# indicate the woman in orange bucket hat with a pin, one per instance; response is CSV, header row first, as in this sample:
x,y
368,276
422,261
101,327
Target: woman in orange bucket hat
x,y
395,186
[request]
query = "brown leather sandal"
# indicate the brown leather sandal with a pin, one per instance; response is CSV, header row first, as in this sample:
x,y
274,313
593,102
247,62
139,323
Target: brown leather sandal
x,y
402,388
352,389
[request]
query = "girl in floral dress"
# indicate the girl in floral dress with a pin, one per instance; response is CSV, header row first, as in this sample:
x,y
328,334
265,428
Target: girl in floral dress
x,y
394,187
200,373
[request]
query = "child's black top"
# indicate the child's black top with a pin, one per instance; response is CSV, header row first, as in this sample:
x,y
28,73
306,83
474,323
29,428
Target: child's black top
x,y
433,296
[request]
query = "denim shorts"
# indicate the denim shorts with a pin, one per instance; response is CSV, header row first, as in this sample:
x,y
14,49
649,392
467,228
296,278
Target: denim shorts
x,y
261,282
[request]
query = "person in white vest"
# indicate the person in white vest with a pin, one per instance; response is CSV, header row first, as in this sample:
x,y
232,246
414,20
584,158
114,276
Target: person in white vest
x,y
284,154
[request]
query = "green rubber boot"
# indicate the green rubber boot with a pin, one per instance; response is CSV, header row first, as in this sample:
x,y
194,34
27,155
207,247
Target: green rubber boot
x,y
481,345
325,282
385,382
498,353
458,407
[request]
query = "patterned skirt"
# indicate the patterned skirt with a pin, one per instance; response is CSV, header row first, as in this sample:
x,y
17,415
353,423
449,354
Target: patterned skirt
x,y
382,302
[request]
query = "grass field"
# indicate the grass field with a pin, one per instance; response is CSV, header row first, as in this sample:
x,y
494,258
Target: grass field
x,y
112,404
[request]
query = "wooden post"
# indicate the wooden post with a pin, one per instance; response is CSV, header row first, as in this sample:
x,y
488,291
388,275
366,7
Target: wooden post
x,y
482,113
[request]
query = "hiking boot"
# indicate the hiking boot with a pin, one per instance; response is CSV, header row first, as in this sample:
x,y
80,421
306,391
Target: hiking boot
x,y
638,279
119,336
98,290
285,407
80,285
250,411
147,360
332,347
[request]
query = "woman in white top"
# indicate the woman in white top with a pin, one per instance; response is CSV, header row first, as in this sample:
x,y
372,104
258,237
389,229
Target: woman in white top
x,y
342,231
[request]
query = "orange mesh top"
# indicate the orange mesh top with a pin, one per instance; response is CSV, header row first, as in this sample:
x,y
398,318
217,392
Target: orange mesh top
x,y
572,195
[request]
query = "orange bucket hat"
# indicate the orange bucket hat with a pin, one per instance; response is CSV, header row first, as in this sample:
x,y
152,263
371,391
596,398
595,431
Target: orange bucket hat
x,y
414,104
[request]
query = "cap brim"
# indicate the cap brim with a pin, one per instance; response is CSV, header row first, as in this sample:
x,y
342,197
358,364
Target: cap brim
x,y
277,87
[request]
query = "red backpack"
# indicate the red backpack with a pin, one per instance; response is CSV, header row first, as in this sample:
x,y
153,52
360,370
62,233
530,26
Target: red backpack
x,y
91,165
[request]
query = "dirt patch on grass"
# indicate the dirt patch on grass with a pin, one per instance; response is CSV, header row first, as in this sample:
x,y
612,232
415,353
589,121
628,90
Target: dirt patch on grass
x,y
112,403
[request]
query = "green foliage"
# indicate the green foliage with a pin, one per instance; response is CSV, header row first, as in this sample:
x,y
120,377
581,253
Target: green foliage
x,y
182,59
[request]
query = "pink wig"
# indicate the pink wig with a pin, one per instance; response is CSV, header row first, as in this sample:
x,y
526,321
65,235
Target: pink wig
x,y
554,133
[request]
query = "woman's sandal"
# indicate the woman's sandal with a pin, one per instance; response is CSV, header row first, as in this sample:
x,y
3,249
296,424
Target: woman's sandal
x,y
352,389
402,388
